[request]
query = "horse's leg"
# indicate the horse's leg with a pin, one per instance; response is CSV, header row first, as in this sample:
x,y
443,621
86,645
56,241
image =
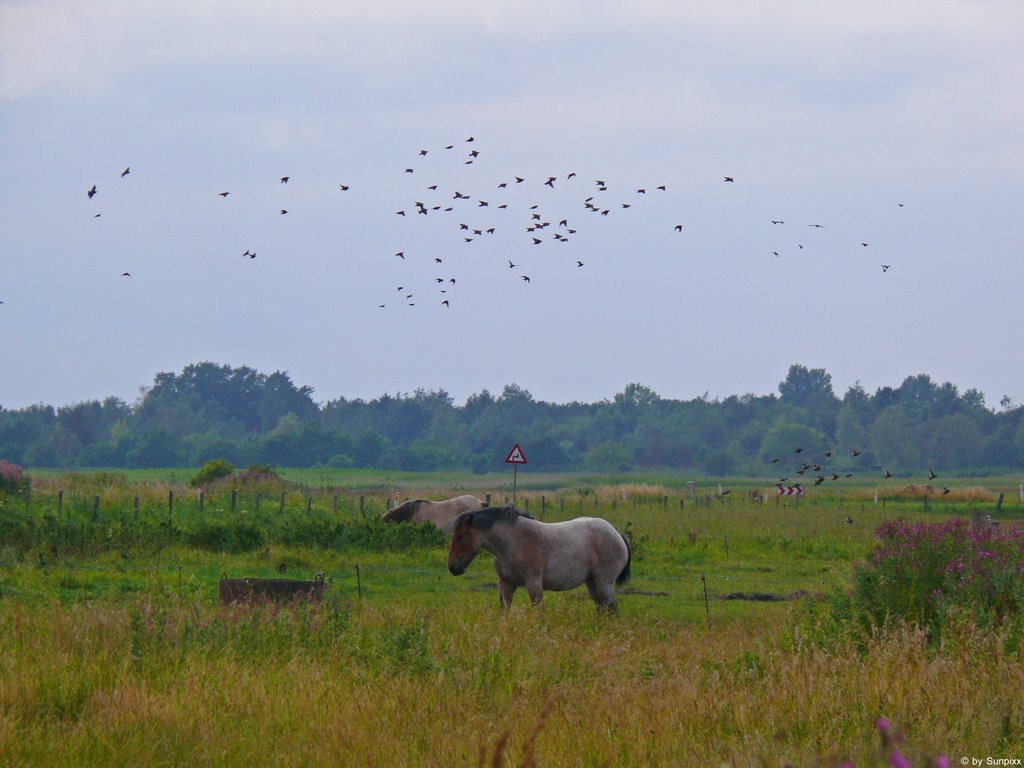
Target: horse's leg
x,y
536,590
604,596
505,591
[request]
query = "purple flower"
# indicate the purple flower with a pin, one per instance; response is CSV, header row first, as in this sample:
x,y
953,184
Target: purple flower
x,y
896,760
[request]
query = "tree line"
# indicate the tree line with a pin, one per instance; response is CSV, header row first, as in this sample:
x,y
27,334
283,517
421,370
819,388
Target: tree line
x,y
210,411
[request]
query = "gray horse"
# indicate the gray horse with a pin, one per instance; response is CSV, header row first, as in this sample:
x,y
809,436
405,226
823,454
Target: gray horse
x,y
538,556
440,513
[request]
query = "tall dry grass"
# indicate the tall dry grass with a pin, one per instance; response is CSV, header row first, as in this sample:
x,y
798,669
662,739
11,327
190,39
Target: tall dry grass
x,y
172,682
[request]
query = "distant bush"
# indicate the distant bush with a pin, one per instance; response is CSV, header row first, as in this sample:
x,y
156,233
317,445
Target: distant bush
x,y
927,572
210,471
13,479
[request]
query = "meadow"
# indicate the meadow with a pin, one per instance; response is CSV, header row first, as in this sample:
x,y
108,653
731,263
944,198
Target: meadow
x,y
727,649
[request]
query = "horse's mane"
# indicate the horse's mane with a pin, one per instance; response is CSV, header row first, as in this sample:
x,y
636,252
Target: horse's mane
x,y
403,512
484,519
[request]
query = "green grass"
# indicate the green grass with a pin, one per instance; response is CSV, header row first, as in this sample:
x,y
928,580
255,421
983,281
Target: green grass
x,y
123,655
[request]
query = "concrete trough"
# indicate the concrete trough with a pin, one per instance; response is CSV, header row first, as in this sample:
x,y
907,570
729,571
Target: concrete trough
x,y
271,590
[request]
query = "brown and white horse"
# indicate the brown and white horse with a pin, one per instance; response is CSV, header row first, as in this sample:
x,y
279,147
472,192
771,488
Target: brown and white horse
x,y
440,513
538,556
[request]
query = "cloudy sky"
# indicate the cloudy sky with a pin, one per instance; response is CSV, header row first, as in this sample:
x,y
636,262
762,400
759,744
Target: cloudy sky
x,y
896,123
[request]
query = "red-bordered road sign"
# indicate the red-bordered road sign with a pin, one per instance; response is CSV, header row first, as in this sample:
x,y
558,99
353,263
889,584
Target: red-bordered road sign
x,y
789,490
516,455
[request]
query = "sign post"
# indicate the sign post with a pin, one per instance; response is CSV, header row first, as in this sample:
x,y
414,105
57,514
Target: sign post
x,y
515,458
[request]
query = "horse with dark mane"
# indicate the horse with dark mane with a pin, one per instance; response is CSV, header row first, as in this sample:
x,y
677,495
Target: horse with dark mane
x,y
539,556
440,513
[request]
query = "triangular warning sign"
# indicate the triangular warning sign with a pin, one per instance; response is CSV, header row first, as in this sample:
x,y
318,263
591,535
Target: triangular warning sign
x,y
515,456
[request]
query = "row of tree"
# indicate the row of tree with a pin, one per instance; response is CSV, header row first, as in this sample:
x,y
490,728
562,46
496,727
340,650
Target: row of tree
x,y
215,411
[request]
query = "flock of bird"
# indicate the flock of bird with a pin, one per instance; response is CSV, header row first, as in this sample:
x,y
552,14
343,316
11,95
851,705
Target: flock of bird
x,y
820,478
477,209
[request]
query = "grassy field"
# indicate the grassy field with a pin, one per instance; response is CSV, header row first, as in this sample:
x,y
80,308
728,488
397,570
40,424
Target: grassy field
x,y
115,650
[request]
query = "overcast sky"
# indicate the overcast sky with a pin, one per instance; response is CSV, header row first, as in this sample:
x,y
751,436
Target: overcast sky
x,y
896,123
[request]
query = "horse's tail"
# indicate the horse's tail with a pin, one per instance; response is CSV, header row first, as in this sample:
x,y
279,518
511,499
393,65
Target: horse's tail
x,y
623,577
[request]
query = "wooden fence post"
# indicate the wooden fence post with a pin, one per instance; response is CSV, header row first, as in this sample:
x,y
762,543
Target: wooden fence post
x,y
60,502
170,509
309,503
95,508
487,500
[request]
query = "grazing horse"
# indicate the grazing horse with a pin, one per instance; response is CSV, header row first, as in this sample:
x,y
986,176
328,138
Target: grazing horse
x,y
440,513
538,556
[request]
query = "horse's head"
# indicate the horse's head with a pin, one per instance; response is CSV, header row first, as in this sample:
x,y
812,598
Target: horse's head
x,y
466,541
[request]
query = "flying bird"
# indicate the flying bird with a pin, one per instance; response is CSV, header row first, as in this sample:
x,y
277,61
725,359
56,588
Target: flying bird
x,y
524,277
885,267
284,179
250,254
536,241
445,303
728,178
511,265
126,274
679,227
284,211
887,474
221,194
125,172
344,187
579,263
931,474
92,192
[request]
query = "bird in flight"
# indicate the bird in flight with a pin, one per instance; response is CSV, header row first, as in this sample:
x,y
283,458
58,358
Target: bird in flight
x,y
885,267
524,277
284,179
511,265
344,187
579,263
125,172
931,474
250,254
887,474
126,274
728,178
92,192
400,254
679,227
284,211
223,194
445,303
817,226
